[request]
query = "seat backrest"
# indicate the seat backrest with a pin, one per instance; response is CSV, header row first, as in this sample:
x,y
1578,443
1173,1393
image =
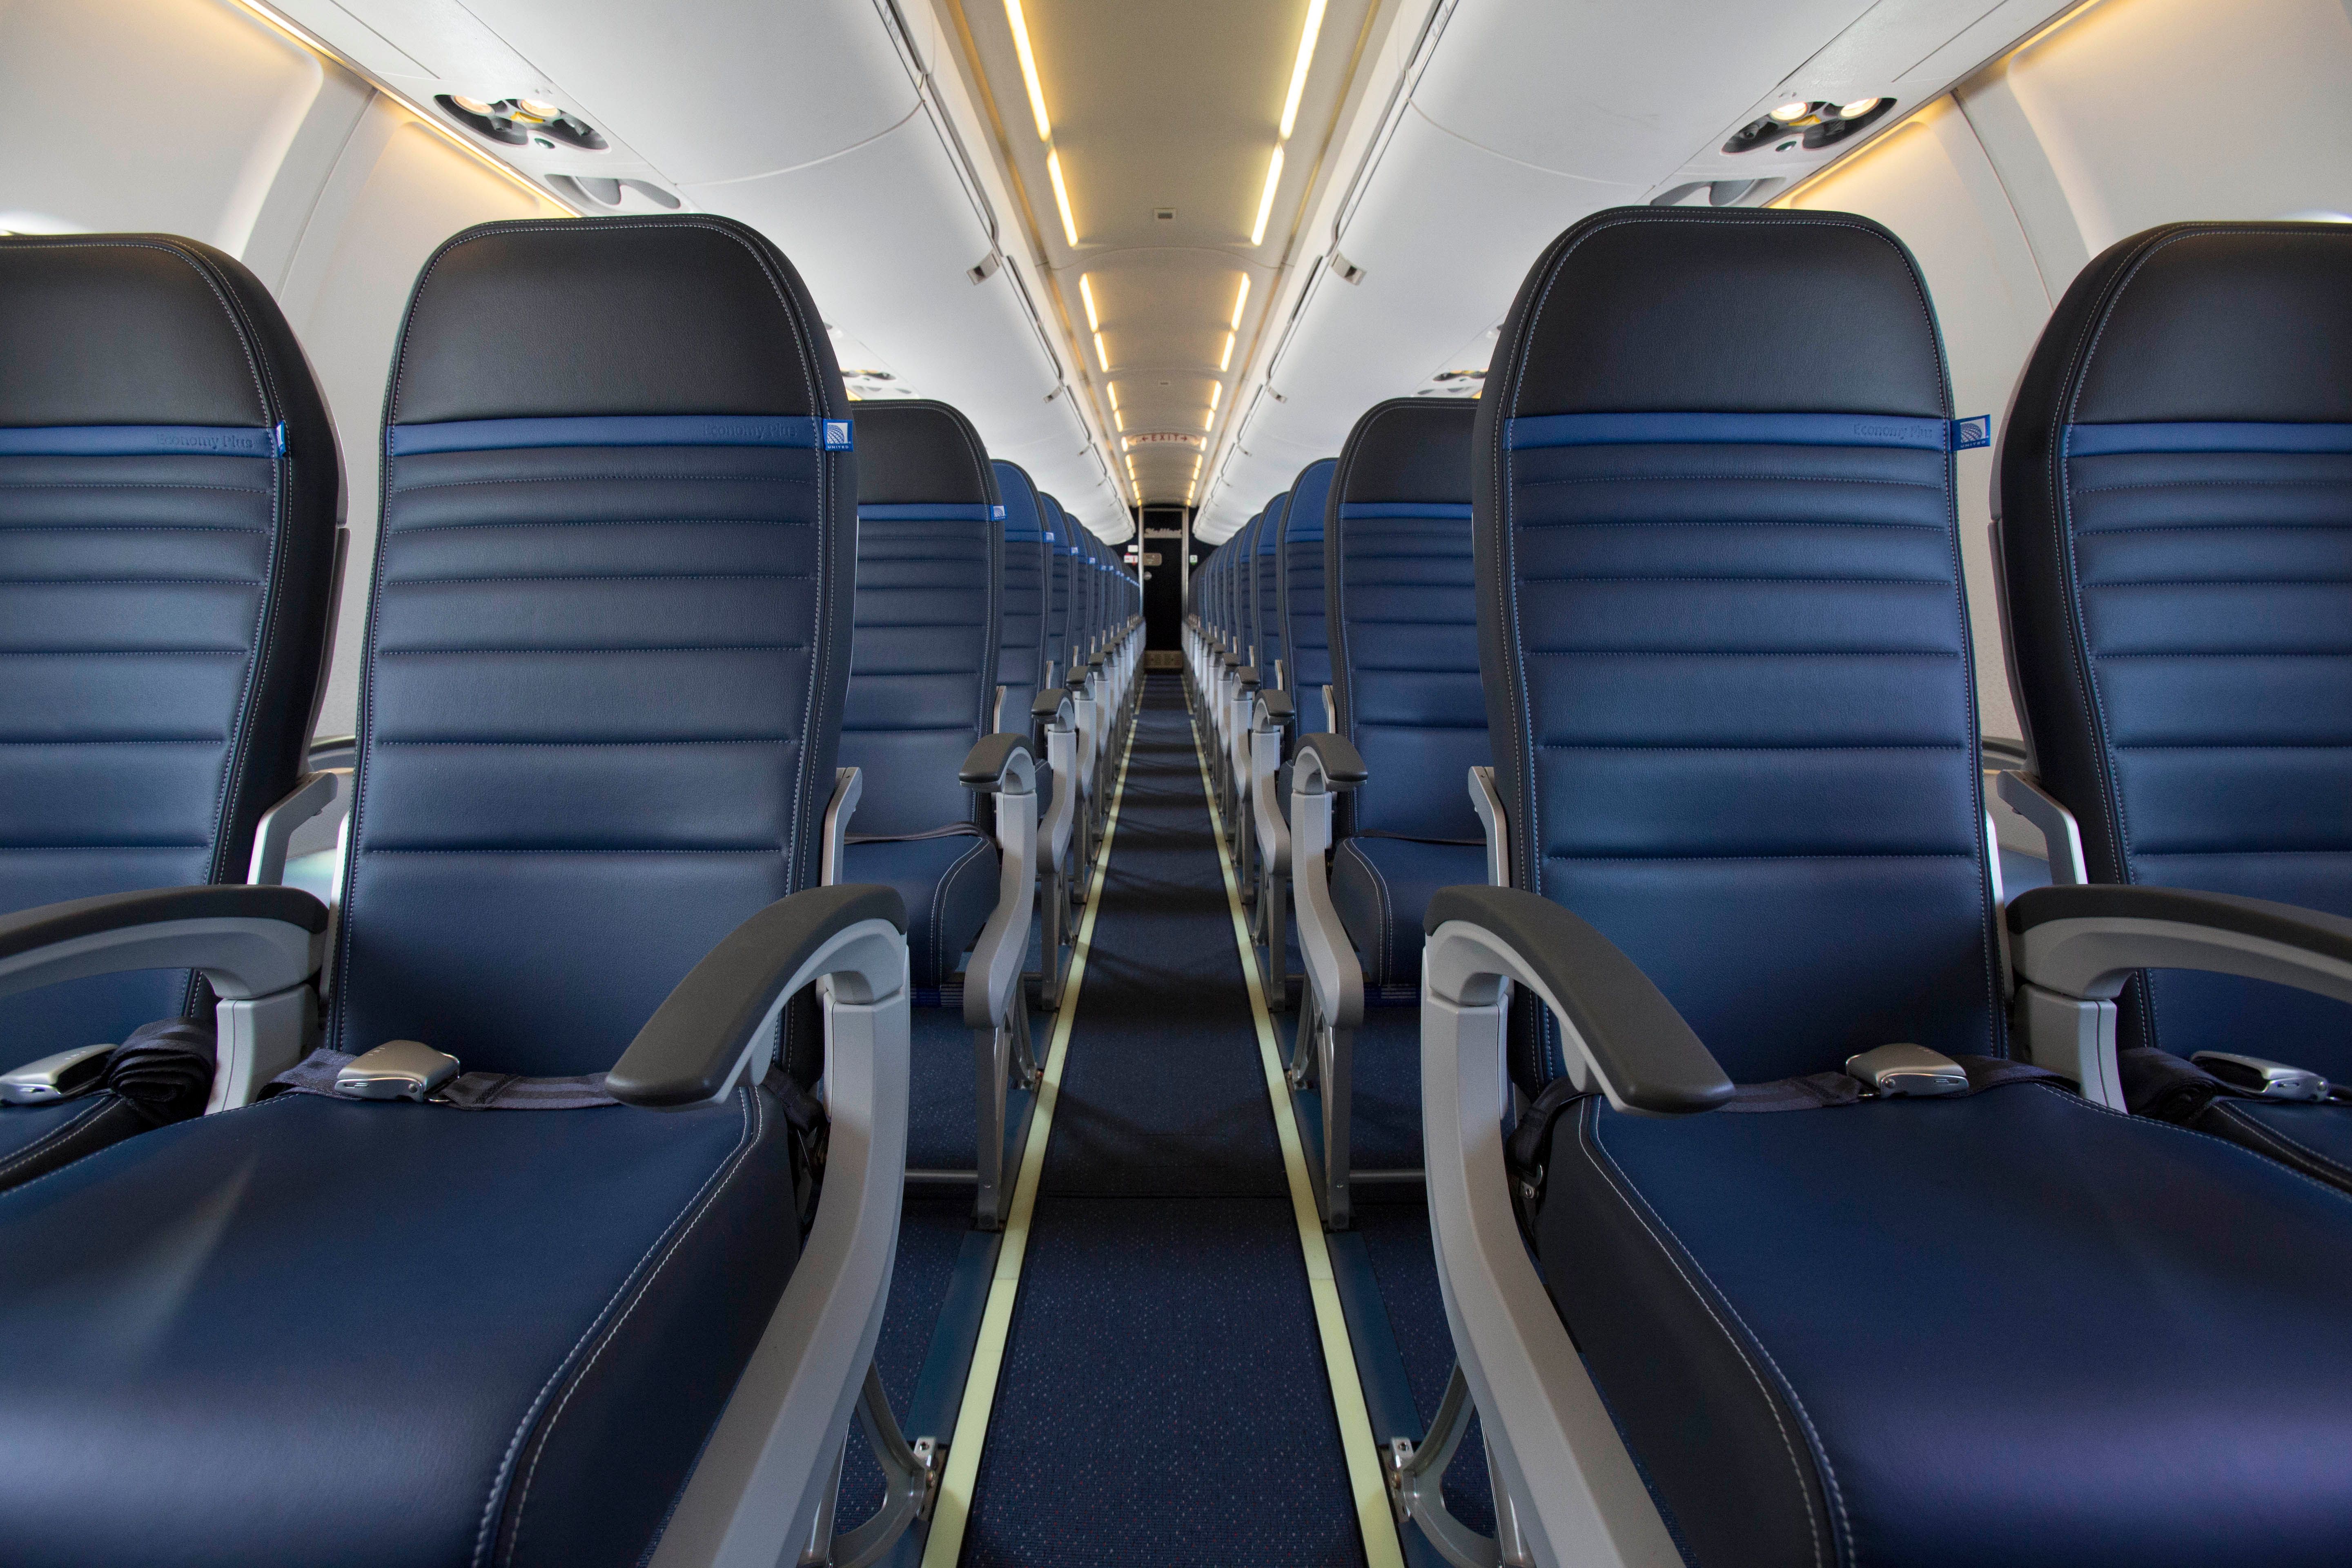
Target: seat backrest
x,y
1021,617
1086,585
170,495
1059,573
931,566
609,634
1243,587
1404,621
2176,505
1720,609
1266,590
1299,589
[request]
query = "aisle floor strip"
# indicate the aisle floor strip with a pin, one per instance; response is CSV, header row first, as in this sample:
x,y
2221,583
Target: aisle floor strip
x,y
1374,1517
953,1510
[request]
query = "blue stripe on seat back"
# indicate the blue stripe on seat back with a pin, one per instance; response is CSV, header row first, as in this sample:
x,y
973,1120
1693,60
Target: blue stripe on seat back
x,y
141,441
603,681
602,430
1301,593
926,511
1403,625
2206,436
1736,721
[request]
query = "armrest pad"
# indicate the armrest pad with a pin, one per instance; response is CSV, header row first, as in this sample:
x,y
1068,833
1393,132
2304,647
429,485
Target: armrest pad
x,y
1638,1043
1277,705
2086,941
27,929
984,768
2326,934
1247,676
1338,759
1046,703
687,1050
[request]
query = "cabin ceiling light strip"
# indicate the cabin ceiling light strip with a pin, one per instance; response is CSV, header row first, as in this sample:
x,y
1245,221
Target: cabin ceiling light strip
x,y
1086,293
1298,71
1028,68
1225,359
1264,202
1062,196
1102,358
1240,298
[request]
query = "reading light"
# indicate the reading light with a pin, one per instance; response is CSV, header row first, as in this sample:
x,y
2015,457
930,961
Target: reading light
x,y
1299,71
470,105
1029,72
1086,292
1264,202
1062,196
532,106
1789,114
1240,300
1102,354
1225,359
1854,110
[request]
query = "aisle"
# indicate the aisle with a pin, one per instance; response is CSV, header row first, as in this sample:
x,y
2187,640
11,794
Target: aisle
x,y
1163,1397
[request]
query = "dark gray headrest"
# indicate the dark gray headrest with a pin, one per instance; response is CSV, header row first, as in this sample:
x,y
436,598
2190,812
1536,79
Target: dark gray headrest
x,y
1409,450
915,451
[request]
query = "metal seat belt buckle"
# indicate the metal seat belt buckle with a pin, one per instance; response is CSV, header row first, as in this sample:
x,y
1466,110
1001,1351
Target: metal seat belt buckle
x,y
2262,1077
54,1079
1907,1070
397,1070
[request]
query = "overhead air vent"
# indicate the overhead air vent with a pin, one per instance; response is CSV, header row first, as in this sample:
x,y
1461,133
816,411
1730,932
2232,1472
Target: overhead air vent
x,y
592,192
1808,123
519,122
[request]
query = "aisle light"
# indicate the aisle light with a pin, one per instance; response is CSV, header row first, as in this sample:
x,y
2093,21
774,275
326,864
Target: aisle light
x,y
1062,196
1299,71
1029,72
1225,359
1086,292
1240,300
1264,202
1102,354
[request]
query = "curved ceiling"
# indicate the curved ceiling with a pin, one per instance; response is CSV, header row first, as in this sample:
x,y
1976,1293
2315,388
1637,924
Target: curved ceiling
x,y
1163,122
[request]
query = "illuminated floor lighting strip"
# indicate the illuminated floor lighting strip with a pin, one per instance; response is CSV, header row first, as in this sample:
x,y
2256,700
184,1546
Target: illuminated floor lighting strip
x,y
953,1510
1373,1517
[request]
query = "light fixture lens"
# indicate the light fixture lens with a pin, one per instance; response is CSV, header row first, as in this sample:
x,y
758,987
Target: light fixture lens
x,y
1062,198
1264,202
470,105
1858,108
1114,394
1102,354
533,106
1299,71
1118,421
1028,69
1787,113
1240,298
1225,359
1086,293
1216,390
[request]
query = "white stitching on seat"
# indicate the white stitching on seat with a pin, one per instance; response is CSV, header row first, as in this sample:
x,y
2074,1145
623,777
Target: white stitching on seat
x,y
99,1106
941,959
674,1235
1621,1185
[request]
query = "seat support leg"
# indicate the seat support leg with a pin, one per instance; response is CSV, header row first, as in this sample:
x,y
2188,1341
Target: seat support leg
x,y
910,1482
1416,1477
1338,1071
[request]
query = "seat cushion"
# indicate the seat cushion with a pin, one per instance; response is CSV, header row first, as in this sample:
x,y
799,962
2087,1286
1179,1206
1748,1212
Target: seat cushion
x,y
2013,1328
2314,1139
1381,886
949,886
319,1332
36,1138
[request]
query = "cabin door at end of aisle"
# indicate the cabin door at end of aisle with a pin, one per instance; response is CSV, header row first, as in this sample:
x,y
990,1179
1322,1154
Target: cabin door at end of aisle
x,y
1165,534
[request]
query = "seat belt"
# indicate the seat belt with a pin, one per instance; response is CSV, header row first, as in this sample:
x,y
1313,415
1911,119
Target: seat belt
x,y
1889,1072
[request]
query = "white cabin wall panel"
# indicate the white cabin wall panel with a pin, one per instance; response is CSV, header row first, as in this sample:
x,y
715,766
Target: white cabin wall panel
x,y
399,190
221,97
2147,111
1929,181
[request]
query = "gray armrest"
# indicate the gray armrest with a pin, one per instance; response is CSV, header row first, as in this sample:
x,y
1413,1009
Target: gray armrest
x,y
1638,1047
2087,941
2062,837
1277,707
1246,677
1047,704
275,831
699,1041
1340,764
248,941
849,789
1487,802
987,765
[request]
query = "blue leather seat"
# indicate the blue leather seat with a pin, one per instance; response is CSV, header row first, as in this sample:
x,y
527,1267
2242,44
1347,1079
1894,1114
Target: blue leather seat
x,y
1299,587
1719,600
922,675
1058,575
1265,595
170,500
597,731
1021,620
1404,675
2177,533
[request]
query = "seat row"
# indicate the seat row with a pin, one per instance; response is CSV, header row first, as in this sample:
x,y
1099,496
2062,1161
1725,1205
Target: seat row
x,y
1802,1190
547,1207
